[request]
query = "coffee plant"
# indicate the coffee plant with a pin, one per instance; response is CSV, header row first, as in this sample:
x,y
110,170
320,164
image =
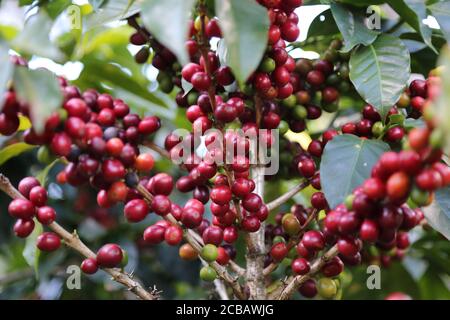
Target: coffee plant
x,y
273,162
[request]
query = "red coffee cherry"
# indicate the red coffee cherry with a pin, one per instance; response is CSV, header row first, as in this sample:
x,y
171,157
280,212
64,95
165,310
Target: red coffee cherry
x,y
225,112
222,256
252,202
113,170
410,161
224,76
308,289
109,256
61,144
300,266
173,235
290,31
26,184
307,168
21,209
230,234
374,188
389,162
315,78
46,215
369,231
48,241
279,251
313,240
161,205
318,201
8,124
391,218
136,210
213,235
76,108
161,183
117,192
23,228
149,125
250,223
397,186
38,196
347,247
333,268
349,222
154,234
89,266
402,240
191,217
201,81
429,180
418,138
221,195
114,147
305,253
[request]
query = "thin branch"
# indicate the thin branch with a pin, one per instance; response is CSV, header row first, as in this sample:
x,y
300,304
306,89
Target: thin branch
x,y
297,281
288,195
73,241
161,151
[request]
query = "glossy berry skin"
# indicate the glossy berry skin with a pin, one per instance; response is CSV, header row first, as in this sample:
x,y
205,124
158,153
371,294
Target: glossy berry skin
x,y
173,235
279,251
318,201
369,231
300,266
89,266
46,215
333,267
201,81
26,184
252,202
186,252
313,240
213,235
61,144
191,217
154,234
347,247
374,188
23,228
136,210
113,170
161,205
397,186
221,195
308,289
48,241
251,224
307,168
21,209
109,256
38,196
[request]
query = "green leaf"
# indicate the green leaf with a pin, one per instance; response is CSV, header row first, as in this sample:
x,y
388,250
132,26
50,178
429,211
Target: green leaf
x,y
323,24
96,4
14,150
43,174
6,68
30,252
244,24
352,26
438,213
380,72
441,106
346,162
363,3
34,38
41,90
441,11
110,11
414,12
157,14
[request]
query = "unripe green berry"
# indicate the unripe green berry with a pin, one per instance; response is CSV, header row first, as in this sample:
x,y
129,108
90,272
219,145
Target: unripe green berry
x,y
289,102
377,129
208,274
326,288
300,112
267,65
209,253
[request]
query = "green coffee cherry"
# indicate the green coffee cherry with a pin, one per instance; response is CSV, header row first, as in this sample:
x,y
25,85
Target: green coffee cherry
x,y
327,288
300,112
192,98
290,224
44,156
330,107
267,65
377,129
124,258
283,127
289,102
349,201
278,239
437,139
419,197
209,253
208,274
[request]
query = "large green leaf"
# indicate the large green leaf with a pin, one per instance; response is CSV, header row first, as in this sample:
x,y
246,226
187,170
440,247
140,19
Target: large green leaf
x,y
442,109
441,11
380,72
245,25
351,24
41,90
6,68
363,3
323,25
346,162
168,22
438,213
31,253
14,150
414,12
109,11
43,174
34,38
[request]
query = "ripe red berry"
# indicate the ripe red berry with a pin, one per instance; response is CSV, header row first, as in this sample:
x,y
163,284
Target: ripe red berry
x,y
23,228
8,124
201,81
46,215
313,240
315,78
109,256
61,144
136,210
308,289
161,183
224,76
191,217
397,186
300,266
38,196
225,112
289,31
173,235
318,201
279,251
154,234
161,205
252,202
76,108
374,188
307,168
21,209
250,223
333,267
369,231
347,247
144,162
26,184
213,235
230,234
89,266
48,241
222,256
113,170
221,195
